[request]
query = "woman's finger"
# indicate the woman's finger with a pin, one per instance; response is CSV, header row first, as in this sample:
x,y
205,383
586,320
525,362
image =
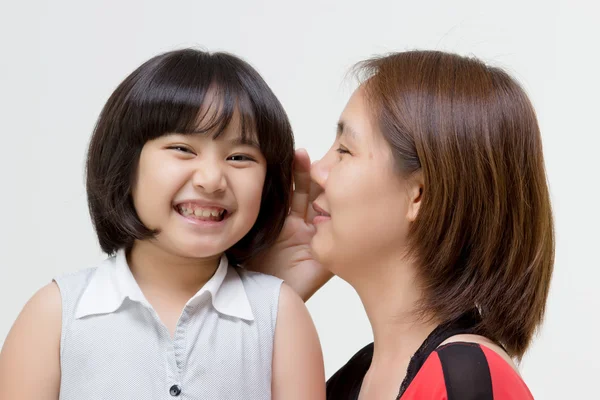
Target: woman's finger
x,y
315,190
301,194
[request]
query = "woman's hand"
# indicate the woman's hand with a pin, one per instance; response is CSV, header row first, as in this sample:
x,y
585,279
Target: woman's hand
x,y
290,258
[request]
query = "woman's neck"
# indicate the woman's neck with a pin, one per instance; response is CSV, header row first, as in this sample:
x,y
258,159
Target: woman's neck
x,y
158,270
391,294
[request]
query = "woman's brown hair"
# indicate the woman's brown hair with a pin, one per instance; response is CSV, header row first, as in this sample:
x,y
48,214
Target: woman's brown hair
x,y
484,234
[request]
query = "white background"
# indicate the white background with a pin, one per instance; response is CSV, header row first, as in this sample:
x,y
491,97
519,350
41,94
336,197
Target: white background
x,y
61,60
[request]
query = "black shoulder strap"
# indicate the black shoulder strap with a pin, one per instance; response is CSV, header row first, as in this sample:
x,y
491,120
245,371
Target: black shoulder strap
x,y
346,382
465,324
466,372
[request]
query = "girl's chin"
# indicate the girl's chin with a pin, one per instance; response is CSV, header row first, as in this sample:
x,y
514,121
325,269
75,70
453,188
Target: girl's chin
x,y
201,255
198,251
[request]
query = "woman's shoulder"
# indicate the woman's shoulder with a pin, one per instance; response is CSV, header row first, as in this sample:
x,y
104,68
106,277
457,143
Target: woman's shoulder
x,y
346,382
467,370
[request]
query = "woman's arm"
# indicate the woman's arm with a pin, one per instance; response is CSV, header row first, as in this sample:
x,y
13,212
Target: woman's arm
x,y
290,258
298,372
30,357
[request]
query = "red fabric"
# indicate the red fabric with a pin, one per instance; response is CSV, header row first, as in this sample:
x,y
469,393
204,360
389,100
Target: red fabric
x,y
429,382
506,382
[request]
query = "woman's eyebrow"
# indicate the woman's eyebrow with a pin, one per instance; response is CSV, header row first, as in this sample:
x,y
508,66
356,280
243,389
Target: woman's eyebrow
x,y
344,129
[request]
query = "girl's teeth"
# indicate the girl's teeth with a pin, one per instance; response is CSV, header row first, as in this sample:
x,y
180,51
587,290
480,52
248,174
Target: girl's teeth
x,y
198,212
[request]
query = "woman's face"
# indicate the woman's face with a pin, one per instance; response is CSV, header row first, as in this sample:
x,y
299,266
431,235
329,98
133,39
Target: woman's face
x,y
366,206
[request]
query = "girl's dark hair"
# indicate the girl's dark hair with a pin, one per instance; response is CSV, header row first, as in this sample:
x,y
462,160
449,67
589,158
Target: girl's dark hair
x,y
484,234
166,95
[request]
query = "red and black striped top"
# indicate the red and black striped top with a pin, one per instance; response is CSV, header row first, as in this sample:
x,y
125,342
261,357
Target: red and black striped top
x,y
454,371
466,371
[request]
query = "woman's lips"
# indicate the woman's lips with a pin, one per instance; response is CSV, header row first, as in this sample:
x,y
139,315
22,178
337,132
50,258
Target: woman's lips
x,y
322,215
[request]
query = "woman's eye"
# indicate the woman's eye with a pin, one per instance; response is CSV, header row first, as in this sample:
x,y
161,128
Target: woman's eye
x,y
343,150
240,157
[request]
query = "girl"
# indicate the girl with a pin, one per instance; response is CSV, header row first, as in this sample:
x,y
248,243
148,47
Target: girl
x,y
188,176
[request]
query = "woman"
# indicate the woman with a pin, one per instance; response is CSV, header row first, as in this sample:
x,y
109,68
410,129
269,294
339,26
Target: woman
x,y
433,205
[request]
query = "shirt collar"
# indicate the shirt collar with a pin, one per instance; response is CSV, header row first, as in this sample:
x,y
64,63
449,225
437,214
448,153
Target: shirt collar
x,y
113,282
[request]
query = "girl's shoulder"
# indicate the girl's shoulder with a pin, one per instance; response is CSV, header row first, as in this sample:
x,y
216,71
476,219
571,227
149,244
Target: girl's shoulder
x,y
263,291
252,278
76,281
31,350
73,285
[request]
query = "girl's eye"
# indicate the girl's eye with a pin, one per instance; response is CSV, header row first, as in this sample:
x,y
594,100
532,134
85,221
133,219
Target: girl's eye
x,y
240,157
181,148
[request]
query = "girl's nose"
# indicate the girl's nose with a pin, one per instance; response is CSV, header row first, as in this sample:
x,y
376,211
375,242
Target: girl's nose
x,y
209,177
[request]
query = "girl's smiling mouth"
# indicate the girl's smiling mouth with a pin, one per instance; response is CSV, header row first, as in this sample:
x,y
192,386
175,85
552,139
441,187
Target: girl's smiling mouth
x,y
198,212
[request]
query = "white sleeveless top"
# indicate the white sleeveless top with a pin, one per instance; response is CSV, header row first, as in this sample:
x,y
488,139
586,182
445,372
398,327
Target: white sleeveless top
x,y
113,345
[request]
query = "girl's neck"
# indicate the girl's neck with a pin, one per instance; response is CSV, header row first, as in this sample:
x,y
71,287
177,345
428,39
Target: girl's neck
x,y
155,269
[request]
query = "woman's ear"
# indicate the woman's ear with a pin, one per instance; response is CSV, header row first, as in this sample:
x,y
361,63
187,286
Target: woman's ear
x,y
415,195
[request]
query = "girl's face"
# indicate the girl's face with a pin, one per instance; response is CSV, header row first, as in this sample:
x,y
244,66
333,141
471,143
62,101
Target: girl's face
x,y
202,194
366,206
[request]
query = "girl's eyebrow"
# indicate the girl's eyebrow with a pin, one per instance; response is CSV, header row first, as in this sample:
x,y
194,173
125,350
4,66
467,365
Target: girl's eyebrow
x,y
240,141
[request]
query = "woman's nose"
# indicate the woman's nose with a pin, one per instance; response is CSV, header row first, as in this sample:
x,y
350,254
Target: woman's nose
x,y
319,172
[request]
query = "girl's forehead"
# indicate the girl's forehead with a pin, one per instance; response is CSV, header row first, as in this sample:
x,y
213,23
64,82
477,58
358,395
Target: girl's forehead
x,y
224,117
235,131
